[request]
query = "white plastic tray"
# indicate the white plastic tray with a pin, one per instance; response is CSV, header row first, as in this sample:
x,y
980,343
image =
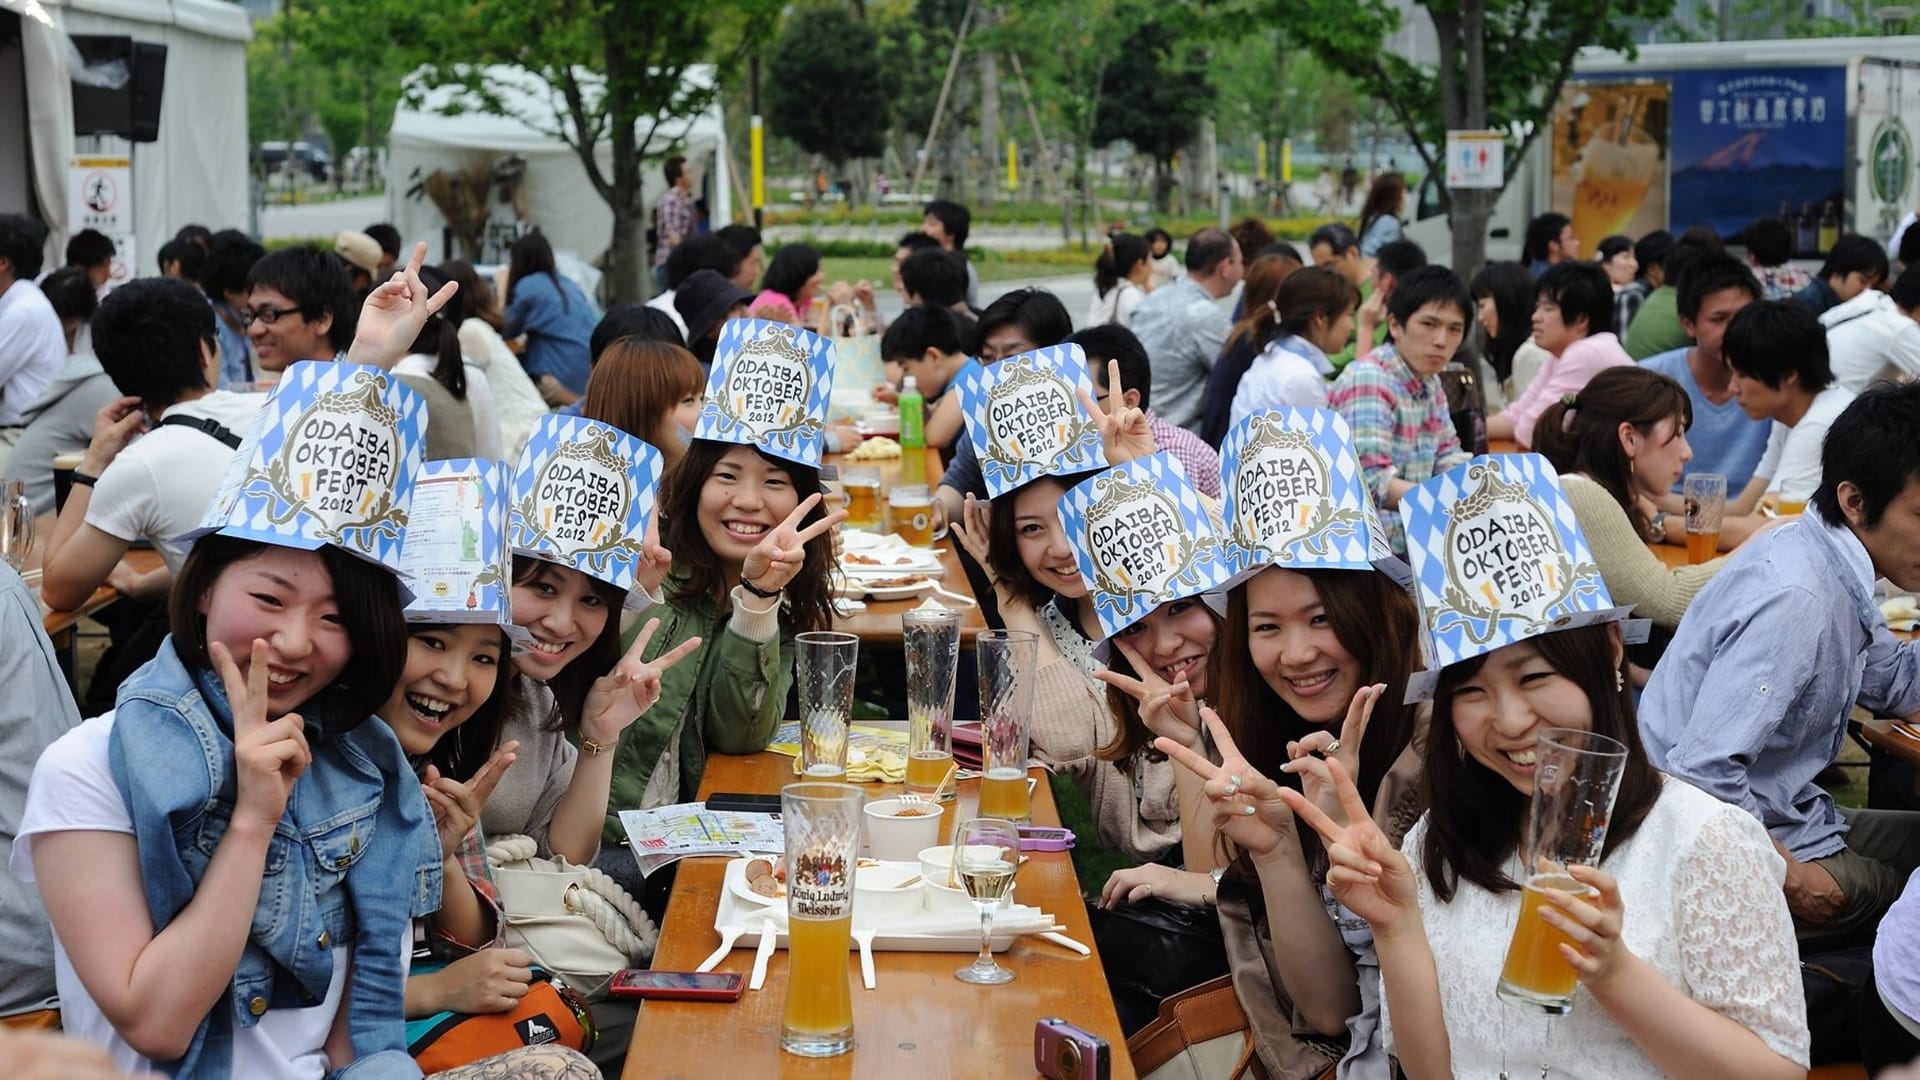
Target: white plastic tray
x,y
926,933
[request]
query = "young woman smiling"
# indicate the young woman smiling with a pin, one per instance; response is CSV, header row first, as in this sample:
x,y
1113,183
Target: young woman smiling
x,y
1683,947
752,549
1304,656
1620,445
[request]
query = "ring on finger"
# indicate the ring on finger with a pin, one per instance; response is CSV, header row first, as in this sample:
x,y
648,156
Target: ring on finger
x,y
1332,748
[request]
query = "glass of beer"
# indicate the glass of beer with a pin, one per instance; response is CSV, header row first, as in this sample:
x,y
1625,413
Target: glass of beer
x,y
1576,776
862,486
822,826
824,667
912,508
986,855
1005,659
1705,495
1788,506
16,523
932,643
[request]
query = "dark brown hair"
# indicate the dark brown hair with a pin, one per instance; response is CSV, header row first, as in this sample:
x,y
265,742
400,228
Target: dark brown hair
x,y
636,384
1475,817
1311,291
475,295
808,604
460,753
368,599
1003,544
570,686
1258,323
1133,735
1580,433
1383,198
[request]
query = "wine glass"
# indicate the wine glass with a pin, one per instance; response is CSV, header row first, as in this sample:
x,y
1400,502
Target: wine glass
x,y
986,852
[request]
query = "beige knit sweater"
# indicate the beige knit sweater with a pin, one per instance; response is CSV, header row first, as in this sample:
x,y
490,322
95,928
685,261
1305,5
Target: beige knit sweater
x,y
1633,574
1071,720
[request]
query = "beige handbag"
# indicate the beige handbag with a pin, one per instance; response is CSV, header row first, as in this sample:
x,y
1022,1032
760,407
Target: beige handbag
x,y
1200,1034
576,922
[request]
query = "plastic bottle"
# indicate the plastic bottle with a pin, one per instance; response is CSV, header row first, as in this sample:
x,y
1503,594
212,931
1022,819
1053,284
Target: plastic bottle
x,y
913,432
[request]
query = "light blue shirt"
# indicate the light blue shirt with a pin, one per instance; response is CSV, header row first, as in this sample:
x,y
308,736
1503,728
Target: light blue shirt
x,y
1182,328
236,352
1751,700
1725,440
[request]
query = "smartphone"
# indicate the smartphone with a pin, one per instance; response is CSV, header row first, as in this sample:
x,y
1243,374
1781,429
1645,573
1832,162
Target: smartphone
x,y
1062,1051
677,985
740,802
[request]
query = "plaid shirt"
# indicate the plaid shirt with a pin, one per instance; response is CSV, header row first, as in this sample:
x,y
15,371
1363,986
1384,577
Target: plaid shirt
x,y
1201,461
672,223
1399,421
472,857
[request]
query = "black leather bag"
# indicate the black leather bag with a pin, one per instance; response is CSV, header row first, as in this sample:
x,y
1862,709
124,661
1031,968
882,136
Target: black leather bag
x,y
1153,950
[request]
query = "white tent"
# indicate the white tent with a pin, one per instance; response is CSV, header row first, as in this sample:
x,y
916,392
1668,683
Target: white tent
x,y
195,173
443,127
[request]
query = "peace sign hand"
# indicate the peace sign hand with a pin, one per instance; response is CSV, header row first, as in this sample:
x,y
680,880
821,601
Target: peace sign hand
x,y
779,555
1315,781
1124,432
1168,709
623,695
1367,873
1246,805
976,517
655,561
268,756
457,806
394,312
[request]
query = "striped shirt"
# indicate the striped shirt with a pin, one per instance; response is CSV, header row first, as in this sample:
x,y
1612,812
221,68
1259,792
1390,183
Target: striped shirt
x,y
1399,421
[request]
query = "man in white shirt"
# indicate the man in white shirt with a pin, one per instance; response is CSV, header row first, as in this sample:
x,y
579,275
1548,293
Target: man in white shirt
x,y
1183,327
1781,372
155,339
33,346
1869,339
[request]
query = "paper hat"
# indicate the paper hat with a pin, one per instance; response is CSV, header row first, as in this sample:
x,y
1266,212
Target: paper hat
x,y
583,496
1025,418
1499,557
1142,537
769,389
1295,497
455,556
330,459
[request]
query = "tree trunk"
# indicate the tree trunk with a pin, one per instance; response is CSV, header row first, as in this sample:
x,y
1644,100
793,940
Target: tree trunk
x,y
1162,186
992,169
627,279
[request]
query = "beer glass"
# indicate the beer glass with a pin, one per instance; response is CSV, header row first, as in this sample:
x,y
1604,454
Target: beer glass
x,y
1005,659
1705,495
986,855
16,523
911,506
822,826
932,644
1576,776
862,486
825,668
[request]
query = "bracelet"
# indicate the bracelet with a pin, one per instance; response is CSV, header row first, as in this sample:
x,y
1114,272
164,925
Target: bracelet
x,y
594,749
758,591
83,479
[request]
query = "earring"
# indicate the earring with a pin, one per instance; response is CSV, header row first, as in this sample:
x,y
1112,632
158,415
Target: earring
x,y
1619,681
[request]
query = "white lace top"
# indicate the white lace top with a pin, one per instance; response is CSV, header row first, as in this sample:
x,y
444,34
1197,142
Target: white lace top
x,y
1701,887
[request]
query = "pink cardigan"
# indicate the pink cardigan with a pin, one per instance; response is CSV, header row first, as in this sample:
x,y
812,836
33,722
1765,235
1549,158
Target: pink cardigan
x,y
1567,373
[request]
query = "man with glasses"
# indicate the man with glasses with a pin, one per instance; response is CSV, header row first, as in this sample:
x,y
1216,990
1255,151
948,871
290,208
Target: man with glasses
x,y
300,306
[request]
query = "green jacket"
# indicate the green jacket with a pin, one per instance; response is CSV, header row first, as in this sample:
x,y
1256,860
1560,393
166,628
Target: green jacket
x,y
732,692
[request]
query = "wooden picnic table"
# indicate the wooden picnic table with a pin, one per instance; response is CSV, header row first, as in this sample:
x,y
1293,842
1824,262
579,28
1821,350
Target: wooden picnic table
x,y
879,624
60,624
918,1021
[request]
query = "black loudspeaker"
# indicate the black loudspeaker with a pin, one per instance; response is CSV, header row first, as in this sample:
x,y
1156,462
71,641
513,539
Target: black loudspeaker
x,y
131,110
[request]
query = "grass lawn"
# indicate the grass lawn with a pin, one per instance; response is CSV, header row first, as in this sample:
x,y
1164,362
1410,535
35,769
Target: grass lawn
x,y
879,270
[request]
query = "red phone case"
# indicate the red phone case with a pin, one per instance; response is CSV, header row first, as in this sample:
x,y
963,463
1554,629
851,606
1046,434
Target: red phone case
x,y
633,983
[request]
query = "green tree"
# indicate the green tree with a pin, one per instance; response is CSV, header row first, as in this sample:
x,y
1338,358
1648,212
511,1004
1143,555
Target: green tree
x,y
824,90
1502,64
1154,93
618,70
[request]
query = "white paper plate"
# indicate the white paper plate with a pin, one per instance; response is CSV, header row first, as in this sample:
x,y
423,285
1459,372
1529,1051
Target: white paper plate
x,y
940,934
853,590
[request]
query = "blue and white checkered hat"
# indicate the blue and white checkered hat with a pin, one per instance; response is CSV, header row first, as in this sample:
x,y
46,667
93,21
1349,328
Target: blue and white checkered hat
x,y
1142,537
1296,498
583,495
1025,417
330,459
769,389
455,556
1498,557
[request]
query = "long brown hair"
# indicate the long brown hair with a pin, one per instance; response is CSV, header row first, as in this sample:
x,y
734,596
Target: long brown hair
x,y
1376,622
476,293
1383,198
1475,817
1003,544
636,384
1259,319
698,573
571,685
1580,433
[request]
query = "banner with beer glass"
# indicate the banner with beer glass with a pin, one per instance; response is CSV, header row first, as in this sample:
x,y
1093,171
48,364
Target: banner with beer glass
x,y
1610,157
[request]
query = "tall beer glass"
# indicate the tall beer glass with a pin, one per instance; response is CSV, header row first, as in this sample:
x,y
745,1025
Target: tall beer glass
x,y
1006,660
825,665
932,645
1576,776
822,825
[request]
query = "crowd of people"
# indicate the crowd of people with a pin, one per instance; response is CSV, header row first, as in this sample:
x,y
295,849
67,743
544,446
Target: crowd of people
x,y
1307,739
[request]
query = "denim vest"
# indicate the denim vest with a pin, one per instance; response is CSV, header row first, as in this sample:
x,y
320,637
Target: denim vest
x,y
354,859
